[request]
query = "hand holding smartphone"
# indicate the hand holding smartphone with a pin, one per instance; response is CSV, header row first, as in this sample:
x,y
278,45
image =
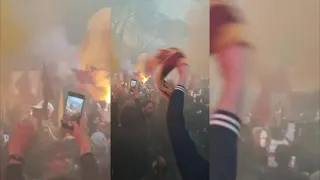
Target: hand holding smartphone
x,y
133,84
73,109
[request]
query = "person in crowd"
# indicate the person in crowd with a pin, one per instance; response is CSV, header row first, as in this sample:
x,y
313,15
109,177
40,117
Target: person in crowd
x,y
224,122
22,136
283,170
247,145
129,139
101,147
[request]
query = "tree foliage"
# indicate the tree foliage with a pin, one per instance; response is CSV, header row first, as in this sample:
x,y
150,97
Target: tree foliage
x,y
146,27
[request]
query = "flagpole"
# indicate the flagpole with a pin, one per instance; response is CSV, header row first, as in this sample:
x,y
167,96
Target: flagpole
x,y
45,98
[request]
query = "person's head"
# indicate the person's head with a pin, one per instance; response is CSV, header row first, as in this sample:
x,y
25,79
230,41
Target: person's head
x,y
283,156
129,100
277,133
148,107
103,127
60,161
129,116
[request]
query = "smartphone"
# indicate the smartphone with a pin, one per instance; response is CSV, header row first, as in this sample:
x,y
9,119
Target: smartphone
x,y
6,137
73,109
133,84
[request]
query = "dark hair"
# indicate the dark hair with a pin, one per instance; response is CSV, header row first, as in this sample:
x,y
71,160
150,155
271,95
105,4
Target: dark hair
x,y
283,155
129,116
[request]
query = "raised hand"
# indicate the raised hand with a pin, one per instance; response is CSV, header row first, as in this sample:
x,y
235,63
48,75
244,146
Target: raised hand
x,y
22,134
80,132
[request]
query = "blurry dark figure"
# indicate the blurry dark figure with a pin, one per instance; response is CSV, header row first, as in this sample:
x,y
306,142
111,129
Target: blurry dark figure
x,y
156,144
128,141
159,169
197,118
62,160
93,118
13,114
283,171
246,146
57,165
147,108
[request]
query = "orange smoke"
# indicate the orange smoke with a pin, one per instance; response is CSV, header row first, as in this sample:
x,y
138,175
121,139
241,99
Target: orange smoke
x,y
13,35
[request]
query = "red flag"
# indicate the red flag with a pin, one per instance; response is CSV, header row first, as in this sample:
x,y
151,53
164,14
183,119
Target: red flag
x,y
84,77
94,82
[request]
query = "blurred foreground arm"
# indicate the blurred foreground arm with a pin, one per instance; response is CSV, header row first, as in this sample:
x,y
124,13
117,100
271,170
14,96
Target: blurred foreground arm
x,y
229,46
22,134
88,164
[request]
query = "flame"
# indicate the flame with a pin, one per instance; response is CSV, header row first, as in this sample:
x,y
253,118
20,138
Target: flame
x,y
101,89
107,97
105,83
144,67
145,79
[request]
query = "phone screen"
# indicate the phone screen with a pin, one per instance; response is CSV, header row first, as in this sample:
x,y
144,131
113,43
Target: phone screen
x,y
133,83
74,104
6,137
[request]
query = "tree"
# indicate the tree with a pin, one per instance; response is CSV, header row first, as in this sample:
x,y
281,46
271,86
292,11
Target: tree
x,y
173,32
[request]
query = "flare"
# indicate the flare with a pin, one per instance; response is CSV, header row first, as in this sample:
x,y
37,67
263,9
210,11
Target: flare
x,y
167,59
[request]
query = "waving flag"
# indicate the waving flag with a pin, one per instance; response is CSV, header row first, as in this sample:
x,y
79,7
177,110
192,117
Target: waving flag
x,y
96,56
96,47
84,77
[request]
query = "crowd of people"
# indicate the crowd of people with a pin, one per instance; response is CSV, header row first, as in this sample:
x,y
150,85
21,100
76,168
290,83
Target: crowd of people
x,y
285,149
33,147
288,149
162,131
141,144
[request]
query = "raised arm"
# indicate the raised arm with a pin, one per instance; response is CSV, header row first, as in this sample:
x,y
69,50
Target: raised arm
x,y
227,43
191,164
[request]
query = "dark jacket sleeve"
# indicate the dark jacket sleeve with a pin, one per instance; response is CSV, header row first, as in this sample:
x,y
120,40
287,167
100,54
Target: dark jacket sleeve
x,y
224,131
89,167
114,115
191,164
139,107
14,172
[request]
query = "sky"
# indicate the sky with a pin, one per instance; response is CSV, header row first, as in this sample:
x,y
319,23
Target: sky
x,y
176,9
